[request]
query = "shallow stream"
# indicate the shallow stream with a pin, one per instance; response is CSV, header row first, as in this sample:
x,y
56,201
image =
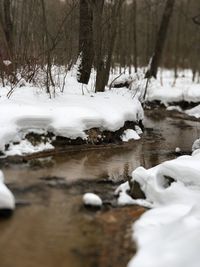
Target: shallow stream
x,y
51,227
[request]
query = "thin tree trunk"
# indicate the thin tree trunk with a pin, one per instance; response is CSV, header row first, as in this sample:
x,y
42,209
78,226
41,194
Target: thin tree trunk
x,y
49,78
86,51
8,24
161,37
104,67
177,46
135,33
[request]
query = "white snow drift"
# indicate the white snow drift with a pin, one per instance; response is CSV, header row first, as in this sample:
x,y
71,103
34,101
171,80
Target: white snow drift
x,y
7,200
168,234
69,114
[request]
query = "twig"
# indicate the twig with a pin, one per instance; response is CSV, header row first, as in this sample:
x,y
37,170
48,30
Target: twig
x,y
116,78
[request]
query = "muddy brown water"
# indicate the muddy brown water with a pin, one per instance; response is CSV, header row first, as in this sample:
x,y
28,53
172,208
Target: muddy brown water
x,y
50,226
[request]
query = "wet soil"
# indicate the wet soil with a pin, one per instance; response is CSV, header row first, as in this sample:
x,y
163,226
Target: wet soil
x,y
51,227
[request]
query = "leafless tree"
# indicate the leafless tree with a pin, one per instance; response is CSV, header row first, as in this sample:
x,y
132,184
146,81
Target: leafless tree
x,y
86,51
161,37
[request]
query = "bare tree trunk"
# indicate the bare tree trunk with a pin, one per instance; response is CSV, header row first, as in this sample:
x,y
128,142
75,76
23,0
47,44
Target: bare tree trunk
x,y
177,46
86,51
8,24
135,33
49,78
6,70
98,38
161,37
104,64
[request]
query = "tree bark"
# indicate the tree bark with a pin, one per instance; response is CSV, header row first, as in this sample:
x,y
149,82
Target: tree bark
x,y
161,37
8,24
86,51
135,33
103,69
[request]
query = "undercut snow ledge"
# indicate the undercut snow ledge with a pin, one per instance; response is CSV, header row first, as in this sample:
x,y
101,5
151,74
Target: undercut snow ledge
x,y
67,115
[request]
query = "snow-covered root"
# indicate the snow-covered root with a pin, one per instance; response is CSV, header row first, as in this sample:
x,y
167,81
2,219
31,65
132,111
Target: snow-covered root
x,y
7,200
169,233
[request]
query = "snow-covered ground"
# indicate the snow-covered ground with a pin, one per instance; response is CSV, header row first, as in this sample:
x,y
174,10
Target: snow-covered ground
x,y
165,89
169,233
183,90
68,114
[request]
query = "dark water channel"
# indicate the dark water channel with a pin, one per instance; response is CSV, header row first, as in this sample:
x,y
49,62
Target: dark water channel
x,y
51,228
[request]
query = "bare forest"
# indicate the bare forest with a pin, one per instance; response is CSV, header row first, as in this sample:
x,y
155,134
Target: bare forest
x,y
117,34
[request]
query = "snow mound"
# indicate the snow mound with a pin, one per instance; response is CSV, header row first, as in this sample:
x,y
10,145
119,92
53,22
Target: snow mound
x,y
129,134
91,199
7,200
168,234
69,114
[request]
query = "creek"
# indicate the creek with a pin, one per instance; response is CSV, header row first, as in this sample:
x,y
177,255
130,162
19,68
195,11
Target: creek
x,y
51,227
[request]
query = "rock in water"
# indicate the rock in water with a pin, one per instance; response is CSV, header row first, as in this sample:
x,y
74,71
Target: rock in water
x,y
177,150
92,200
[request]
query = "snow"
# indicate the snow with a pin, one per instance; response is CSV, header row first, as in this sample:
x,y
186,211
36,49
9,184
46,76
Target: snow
x,y
196,145
138,130
164,89
177,150
69,114
183,90
25,147
7,200
177,108
169,233
129,134
7,62
91,199
194,112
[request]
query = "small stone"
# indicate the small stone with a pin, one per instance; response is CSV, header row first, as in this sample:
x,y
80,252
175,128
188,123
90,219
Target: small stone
x,y
92,200
177,150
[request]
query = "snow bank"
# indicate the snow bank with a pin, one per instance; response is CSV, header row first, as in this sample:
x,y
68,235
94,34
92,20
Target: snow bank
x,y
163,89
69,114
7,200
168,234
182,90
